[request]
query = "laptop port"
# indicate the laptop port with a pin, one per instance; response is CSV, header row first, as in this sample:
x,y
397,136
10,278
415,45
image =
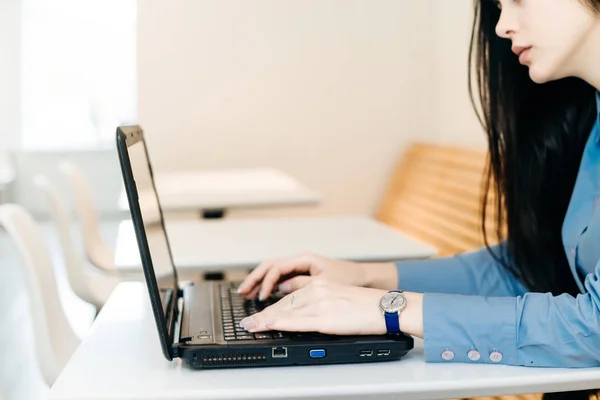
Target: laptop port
x,y
317,353
383,352
365,353
279,352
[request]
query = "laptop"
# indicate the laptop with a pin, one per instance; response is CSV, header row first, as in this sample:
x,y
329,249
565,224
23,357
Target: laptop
x,y
198,321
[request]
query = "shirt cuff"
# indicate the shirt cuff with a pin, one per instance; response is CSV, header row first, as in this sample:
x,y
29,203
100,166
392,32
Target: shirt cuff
x,y
470,329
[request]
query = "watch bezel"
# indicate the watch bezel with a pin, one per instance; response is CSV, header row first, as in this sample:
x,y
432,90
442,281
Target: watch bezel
x,y
393,310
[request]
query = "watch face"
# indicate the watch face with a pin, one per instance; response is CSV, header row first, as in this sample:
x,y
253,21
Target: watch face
x,y
393,302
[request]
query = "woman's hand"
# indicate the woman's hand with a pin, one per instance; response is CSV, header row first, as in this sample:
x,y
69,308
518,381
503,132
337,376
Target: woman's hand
x,y
335,309
290,274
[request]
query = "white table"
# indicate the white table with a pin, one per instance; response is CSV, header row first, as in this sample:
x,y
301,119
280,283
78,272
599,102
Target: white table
x,y
121,359
212,192
225,244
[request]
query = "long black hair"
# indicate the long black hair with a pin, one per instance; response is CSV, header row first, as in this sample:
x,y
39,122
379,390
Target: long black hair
x,y
536,137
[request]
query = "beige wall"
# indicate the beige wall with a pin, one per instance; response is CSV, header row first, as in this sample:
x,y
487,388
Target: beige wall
x,y
329,91
456,122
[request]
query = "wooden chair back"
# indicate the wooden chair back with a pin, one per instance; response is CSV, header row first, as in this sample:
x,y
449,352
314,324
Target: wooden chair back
x,y
435,196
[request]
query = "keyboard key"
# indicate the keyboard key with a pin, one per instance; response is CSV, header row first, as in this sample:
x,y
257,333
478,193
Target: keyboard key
x,y
280,335
229,338
263,336
245,337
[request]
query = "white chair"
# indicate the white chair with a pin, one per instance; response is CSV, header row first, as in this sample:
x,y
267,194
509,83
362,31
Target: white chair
x,y
89,284
55,340
7,176
99,253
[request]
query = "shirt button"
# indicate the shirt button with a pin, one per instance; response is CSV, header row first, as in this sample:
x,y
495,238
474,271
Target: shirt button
x,y
473,355
573,251
448,355
495,356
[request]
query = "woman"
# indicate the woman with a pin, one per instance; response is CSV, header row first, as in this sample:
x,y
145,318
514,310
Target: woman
x,y
534,299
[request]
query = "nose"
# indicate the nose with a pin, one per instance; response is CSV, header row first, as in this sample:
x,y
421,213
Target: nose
x,y
507,24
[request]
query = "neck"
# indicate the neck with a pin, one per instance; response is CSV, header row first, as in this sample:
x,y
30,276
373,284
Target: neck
x,y
590,63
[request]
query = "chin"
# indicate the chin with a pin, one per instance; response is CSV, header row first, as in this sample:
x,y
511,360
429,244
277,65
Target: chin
x,y
539,74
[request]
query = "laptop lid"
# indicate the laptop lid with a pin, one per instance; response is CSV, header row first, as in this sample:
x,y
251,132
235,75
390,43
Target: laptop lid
x,y
148,222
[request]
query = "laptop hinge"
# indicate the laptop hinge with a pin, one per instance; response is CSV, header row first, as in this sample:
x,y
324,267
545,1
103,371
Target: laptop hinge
x,y
175,350
175,346
177,328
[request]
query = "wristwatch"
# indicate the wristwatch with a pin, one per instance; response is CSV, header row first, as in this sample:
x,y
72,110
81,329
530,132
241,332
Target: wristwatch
x,y
392,304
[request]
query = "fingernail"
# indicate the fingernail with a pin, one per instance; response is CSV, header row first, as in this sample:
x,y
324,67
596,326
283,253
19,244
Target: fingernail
x,y
285,287
261,297
239,289
248,324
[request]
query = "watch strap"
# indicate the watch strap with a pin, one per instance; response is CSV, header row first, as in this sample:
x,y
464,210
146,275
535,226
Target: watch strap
x,y
392,323
392,320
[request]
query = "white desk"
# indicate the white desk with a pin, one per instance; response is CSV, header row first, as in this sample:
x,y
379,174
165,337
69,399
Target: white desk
x,y
220,190
218,245
121,359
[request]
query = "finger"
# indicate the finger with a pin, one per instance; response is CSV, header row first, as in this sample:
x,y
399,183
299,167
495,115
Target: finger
x,y
255,277
288,324
253,294
291,285
283,309
284,267
295,302
299,301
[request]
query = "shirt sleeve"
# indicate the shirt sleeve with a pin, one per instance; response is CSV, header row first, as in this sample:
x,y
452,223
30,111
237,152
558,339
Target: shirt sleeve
x,y
474,273
536,329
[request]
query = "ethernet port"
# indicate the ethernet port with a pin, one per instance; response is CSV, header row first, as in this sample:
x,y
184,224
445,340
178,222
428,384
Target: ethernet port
x,y
279,352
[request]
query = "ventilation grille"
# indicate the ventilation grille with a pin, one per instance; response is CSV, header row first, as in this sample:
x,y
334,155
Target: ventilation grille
x,y
233,358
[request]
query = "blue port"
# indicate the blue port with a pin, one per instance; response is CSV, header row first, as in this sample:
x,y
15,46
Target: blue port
x,y
317,353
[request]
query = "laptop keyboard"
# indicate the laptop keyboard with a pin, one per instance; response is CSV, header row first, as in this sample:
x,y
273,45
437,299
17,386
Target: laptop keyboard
x,y
234,308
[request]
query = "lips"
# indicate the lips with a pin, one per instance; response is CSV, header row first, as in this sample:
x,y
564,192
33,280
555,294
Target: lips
x,y
518,50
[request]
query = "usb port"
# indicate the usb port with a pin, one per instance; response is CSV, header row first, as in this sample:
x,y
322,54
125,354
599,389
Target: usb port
x,y
383,353
365,353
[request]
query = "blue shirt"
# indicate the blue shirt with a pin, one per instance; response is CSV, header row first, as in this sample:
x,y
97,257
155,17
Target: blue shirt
x,y
472,304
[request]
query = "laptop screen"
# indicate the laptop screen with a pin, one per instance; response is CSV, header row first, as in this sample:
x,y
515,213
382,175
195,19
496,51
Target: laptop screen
x,y
152,219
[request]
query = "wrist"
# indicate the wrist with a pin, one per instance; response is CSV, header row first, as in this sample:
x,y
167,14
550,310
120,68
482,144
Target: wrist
x,y
407,308
379,276
411,319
